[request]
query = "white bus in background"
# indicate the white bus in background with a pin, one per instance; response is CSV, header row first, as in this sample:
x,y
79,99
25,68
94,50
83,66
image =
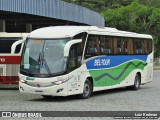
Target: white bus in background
x,y
9,63
69,60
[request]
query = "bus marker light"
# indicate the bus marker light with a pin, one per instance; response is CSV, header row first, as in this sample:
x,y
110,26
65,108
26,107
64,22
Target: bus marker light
x,y
29,78
23,81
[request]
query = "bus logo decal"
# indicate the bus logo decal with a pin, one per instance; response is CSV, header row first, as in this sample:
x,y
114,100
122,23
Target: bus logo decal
x,y
2,60
101,62
104,62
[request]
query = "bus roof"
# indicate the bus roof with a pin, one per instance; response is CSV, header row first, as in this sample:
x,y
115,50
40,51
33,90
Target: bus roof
x,y
70,31
12,35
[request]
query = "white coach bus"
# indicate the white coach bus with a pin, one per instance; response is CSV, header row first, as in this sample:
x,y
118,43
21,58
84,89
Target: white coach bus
x,y
9,63
69,60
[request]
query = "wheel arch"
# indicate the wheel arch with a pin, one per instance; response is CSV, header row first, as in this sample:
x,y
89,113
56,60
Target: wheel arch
x,y
91,81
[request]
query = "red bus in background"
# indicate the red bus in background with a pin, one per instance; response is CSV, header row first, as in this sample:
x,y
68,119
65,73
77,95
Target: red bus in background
x,y
9,63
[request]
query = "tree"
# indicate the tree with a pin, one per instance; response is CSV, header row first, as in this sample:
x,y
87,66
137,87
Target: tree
x,y
155,3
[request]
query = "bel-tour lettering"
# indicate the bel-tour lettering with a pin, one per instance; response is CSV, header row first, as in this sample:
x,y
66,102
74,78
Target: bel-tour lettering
x,y
101,62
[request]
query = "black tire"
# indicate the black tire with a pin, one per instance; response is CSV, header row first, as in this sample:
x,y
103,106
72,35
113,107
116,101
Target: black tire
x,y
47,96
137,82
87,90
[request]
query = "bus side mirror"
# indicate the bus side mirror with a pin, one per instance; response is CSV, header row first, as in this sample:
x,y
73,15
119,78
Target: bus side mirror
x,y
14,45
69,44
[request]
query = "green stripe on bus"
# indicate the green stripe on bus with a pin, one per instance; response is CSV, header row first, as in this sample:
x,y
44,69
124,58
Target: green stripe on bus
x,y
113,76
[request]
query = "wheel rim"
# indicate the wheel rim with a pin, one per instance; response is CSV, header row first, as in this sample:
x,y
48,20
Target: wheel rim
x,y
86,90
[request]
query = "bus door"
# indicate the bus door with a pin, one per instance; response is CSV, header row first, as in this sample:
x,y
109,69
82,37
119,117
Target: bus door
x,y
73,69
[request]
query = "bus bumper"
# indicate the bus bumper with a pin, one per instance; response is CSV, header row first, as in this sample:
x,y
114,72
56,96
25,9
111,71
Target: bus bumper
x,y
55,90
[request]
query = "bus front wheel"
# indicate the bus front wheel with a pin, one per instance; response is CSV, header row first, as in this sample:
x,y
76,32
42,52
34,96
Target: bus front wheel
x,y
137,82
87,90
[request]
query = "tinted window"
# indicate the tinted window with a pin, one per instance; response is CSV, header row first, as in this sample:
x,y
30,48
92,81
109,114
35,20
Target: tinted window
x,y
92,46
114,45
147,46
6,43
106,45
139,46
81,45
18,48
74,58
117,45
124,46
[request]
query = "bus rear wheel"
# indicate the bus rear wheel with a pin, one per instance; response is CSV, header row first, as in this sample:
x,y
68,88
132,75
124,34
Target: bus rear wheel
x,y
137,82
87,90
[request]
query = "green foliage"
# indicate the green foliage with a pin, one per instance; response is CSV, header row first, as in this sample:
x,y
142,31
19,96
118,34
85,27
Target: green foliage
x,y
155,3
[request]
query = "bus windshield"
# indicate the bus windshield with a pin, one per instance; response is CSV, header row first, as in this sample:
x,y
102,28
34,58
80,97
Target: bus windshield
x,y
44,56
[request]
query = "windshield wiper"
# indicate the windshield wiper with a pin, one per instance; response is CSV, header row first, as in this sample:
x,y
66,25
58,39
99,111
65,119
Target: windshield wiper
x,y
43,63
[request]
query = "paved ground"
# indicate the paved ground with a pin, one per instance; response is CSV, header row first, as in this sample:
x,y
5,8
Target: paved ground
x,y
145,99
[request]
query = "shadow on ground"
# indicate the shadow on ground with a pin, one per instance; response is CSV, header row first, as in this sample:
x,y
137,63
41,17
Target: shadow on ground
x,y
76,97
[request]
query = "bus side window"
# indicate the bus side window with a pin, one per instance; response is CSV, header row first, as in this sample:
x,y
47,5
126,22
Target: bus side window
x,y
110,44
92,46
105,45
74,57
6,44
82,36
117,45
147,46
143,46
124,46
138,46
18,48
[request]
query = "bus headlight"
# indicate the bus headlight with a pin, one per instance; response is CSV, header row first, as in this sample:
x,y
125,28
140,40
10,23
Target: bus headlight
x,y
22,81
60,80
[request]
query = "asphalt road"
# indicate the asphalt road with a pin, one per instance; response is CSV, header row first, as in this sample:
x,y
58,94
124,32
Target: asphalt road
x,y
145,99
